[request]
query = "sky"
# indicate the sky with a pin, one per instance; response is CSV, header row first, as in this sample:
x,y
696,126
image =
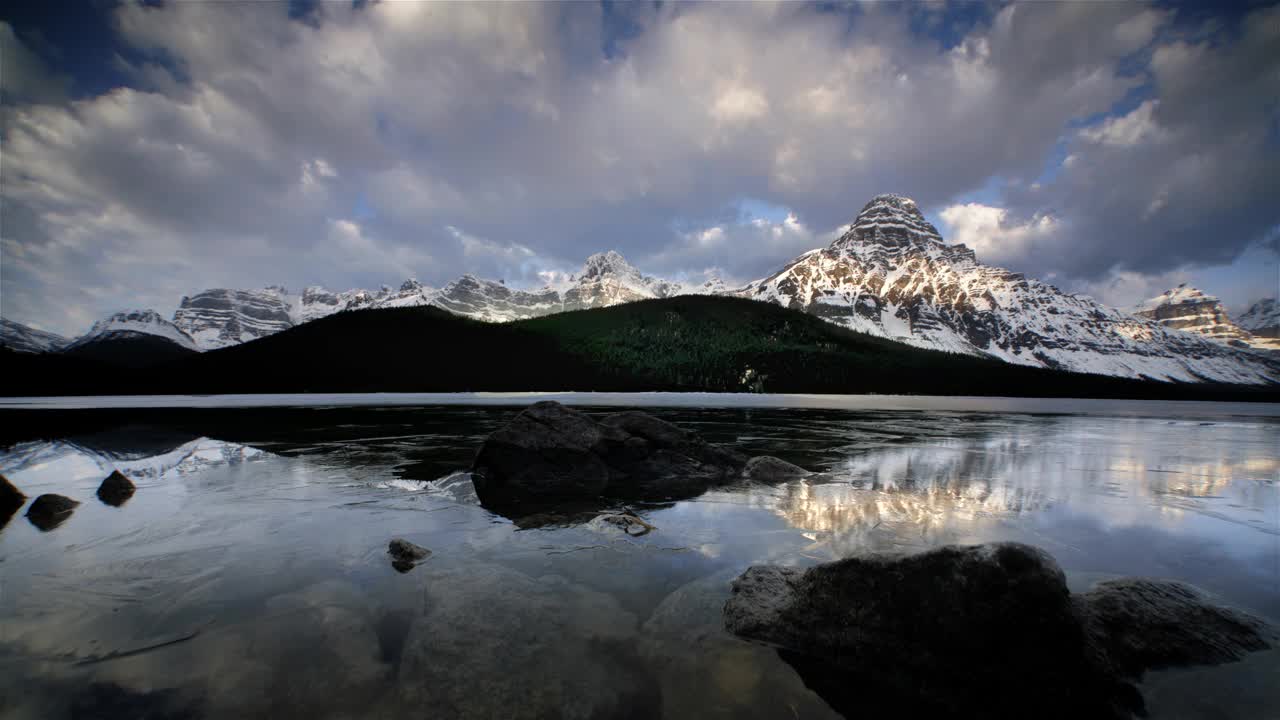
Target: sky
x,y
152,150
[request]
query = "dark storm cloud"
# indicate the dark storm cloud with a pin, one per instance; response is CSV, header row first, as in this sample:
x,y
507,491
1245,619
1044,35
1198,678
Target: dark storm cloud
x,y
1187,177
354,146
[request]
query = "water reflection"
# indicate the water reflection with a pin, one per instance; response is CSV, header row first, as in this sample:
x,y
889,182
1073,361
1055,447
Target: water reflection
x,y
247,575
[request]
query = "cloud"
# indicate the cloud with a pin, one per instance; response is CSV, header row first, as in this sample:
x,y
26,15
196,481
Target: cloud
x,y
1127,130
993,235
1184,179
371,141
27,77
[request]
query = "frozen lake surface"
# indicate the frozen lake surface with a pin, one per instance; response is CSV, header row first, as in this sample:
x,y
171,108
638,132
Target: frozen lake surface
x,y
248,575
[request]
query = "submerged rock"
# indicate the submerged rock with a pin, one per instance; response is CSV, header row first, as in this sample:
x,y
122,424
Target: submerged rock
x,y
628,523
405,556
986,630
49,511
549,453
495,642
767,468
109,700
707,673
116,489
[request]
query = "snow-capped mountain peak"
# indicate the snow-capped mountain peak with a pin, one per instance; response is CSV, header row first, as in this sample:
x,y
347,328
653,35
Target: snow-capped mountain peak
x,y
1185,308
134,323
608,279
607,264
1176,296
890,221
892,275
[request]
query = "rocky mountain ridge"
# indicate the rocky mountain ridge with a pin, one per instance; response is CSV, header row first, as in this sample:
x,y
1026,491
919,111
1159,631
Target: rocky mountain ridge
x,y
21,338
134,324
1187,308
1262,319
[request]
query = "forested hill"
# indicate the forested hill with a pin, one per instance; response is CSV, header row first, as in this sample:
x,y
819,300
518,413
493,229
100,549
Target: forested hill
x,y
687,343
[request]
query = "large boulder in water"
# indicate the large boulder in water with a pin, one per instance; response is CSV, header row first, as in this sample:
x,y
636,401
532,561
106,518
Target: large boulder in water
x,y
978,631
770,469
49,511
550,452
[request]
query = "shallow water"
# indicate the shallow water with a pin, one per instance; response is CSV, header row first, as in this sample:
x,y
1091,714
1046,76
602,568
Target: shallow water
x,y
256,549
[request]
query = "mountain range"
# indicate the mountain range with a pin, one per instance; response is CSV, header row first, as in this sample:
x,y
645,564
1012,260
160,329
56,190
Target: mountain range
x,y
890,275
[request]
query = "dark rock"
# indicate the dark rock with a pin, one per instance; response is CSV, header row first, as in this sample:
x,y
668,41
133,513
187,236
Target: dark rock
x,y
550,452
49,511
116,489
767,468
11,500
1144,625
405,556
987,630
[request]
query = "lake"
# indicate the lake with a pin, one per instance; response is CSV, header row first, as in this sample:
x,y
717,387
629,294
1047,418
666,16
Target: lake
x,y
249,575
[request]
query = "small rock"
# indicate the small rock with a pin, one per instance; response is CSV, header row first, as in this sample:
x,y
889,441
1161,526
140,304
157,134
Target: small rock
x,y
49,511
628,523
116,489
405,556
769,469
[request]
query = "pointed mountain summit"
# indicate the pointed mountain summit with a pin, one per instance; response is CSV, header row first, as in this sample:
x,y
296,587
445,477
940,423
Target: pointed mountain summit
x,y
608,264
892,221
608,279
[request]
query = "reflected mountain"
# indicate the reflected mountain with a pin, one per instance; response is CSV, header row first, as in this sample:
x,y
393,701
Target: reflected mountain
x,y
190,457
948,484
